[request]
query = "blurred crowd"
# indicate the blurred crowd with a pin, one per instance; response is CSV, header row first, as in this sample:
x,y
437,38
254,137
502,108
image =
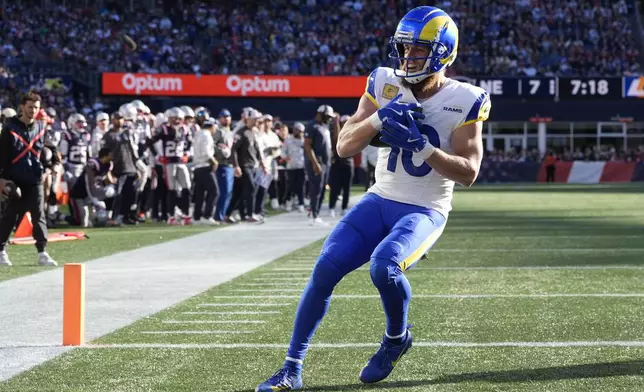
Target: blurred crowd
x,y
588,153
322,37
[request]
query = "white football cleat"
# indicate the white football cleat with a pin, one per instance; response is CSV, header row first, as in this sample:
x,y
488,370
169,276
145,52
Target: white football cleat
x,y
45,260
4,259
332,214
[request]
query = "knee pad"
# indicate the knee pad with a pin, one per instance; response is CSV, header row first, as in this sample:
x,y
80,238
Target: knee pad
x,y
384,272
326,274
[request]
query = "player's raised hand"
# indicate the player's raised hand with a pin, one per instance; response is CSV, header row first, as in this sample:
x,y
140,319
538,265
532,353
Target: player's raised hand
x,y
396,111
407,137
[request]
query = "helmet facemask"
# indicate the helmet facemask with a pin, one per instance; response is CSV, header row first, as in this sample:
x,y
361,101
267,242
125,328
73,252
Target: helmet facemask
x,y
436,52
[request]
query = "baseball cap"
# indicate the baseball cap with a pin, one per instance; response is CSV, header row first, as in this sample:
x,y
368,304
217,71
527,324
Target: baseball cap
x,y
267,117
209,122
224,113
298,126
326,110
344,118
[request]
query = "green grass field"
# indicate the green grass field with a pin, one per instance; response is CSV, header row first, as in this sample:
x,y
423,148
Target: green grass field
x,y
530,288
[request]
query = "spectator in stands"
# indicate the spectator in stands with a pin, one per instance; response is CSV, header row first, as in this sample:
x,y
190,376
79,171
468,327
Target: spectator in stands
x,y
550,162
565,37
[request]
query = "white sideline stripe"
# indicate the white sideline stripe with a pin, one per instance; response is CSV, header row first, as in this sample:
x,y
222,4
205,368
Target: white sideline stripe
x,y
458,296
241,312
267,290
194,332
598,343
534,267
213,322
261,305
281,279
272,284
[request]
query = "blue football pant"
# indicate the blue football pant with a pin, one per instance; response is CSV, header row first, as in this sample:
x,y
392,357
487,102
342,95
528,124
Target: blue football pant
x,y
393,236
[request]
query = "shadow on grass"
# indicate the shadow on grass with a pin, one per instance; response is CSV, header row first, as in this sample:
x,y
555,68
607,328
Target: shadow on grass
x,y
573,372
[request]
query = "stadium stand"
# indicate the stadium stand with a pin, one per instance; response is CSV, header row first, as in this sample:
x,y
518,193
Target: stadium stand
x,y
556,37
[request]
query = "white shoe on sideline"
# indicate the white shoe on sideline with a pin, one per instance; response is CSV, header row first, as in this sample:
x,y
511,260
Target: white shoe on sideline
x,y
318,222
209,222
332,214
4,259
45,260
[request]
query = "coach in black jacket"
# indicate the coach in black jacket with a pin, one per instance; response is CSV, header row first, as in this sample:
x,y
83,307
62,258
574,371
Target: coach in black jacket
x,y
21,142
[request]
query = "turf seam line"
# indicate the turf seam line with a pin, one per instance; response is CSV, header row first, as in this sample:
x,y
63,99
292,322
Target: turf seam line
x,y
426,344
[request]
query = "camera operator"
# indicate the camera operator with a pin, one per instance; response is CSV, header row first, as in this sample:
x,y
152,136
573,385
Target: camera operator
x,y
21,170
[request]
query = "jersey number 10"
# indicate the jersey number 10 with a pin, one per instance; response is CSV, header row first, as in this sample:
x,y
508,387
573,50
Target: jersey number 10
x,y
411,169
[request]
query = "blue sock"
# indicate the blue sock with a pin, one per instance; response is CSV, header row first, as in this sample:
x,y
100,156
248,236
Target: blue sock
x,y
395,293
313,305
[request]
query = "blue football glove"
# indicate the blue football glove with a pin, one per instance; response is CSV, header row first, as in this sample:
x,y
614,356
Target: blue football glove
x,y
404,135
397,111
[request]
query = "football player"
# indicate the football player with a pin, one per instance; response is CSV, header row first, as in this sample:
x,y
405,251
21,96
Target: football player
x,y
142,132
159,207
51,160
170,146
189,119
75,148
429,127
89,191
202,115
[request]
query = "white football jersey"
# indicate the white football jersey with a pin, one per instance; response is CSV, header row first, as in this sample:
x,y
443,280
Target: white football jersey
x,y
402,175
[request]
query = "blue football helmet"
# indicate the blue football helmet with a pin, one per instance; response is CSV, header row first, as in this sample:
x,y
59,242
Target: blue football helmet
x,y
424,26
